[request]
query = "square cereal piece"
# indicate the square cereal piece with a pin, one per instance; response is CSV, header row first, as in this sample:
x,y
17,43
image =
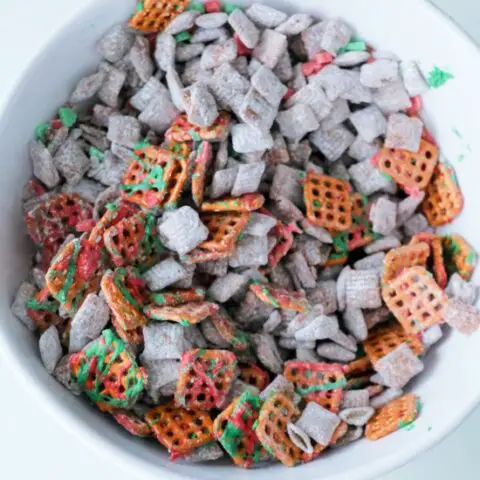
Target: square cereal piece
x,y
328,202
71,162
333,143
363,289
295,24
300,271
182,230
244,28
250,252
265,16
259,224
50,348
463,317
175,87
408,206
270,48
315,252
124,130
165,51
340,112
222,182
356,93
416,224
25,292
287,183
362,150
392,98
399,366
224,288
268,85
367,179
256,111
226,84
43,165
200,105
351,59
312,38
325,295
267,352
413,79
144,96
318,423
369,122
335,81
247,139
404,132
248,178
296,122
141,60
415,299
217,53
116,43
189,51
335,35
160,113
460,289
379,73
110,90
88,87
164,274
315,98
284,69
383,215
163,341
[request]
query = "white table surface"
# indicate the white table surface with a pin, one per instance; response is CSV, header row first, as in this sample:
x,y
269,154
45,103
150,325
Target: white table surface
x,y
31,442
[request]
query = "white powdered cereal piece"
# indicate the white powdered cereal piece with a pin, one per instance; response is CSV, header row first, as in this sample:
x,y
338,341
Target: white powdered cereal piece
x,y
299,438
335,35
315,98
379,73
363,289
89,321
300,153
357,416
241,65
222,182
50,348
279,384
248,178
101,114
163,341
144,96
286,184
296,122
298,80
250,252
175,87
392,98
385,243
270,48
284,68
321,328
216,54
181,23
356,93
362,150
387,396
205,35
399,366
408,206
212,336
324,295
333,143
355,399
159,114
108,171
292,344
317,232
354,322
351,59
115,44
461,316
267,352
141,59
38,276
312,38
224,288
341,287
193,337
246,139
71,162
367,179
370,123
273,323
110,90
259,224
404,132
212,20
188,51
206,453
306,355
165,51
431,336
335,81
295,24
334,352
338,170
352,435
413,79
124,130
416,224
87,189
265,16
161,374
253,66
256,111
24,293
371,262
383,215
462,290
346,341
374,317
268,85
181,230
318,423
43,166
88,87
238,388
164,274
244,28
200,105
227,85
339,114
194,73
314,251
385,55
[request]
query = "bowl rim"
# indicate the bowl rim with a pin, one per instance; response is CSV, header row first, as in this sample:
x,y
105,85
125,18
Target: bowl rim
x,y
130,462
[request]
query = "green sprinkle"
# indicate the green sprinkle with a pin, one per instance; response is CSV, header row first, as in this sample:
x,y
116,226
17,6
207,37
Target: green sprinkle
x,y
240,237
195,136
438,78
139,6
68,117
353,46
96,153
406,425
47,306
183,37
322,388
386,175
197,6
230,7
111,206
41,131
316,203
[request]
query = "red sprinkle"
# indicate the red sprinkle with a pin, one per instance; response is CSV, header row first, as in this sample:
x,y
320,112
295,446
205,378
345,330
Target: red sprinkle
x,y
242,49
375,159
290,93
417,105
56,124
85,225
319,61
213,7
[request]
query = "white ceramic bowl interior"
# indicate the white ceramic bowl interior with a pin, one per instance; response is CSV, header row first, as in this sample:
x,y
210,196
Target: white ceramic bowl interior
x,y
449,387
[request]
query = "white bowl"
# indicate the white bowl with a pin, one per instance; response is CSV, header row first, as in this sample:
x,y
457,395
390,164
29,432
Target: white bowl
x,y
449,387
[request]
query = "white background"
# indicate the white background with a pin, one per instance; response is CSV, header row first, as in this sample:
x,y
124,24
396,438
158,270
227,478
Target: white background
x,y
32,444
